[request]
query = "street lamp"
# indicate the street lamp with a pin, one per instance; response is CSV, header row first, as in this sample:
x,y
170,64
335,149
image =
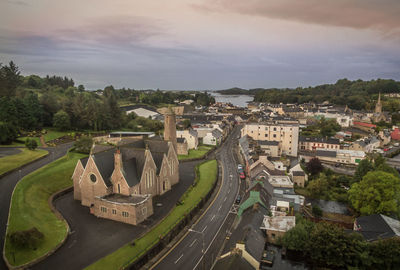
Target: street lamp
x,y
203,249
202,237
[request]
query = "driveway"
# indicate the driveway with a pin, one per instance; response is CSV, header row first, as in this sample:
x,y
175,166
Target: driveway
x,y
8,151
92,238
8,182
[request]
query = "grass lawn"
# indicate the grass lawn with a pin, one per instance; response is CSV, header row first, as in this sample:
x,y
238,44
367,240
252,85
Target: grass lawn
x,y
128,253
196,153
51,134
14,161
30,208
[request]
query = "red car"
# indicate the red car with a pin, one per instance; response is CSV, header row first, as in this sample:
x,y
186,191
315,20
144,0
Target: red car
x,y
386,149
242,176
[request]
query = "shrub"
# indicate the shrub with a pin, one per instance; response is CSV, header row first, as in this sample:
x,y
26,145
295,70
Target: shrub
x,y
31,144
26,239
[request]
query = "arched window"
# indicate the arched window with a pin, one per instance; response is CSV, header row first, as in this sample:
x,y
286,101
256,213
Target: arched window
x,y
152,177
147,180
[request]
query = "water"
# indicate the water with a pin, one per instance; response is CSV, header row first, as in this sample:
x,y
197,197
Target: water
x,y
237,100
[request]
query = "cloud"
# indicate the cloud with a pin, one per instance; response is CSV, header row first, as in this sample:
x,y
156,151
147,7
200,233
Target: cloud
x,y
360,14
17,2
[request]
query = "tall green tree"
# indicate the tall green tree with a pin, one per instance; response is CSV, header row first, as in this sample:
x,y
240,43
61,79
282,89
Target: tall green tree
x,y
61,120
377,193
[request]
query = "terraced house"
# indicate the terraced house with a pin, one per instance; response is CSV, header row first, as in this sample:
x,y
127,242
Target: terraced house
x,y
119,182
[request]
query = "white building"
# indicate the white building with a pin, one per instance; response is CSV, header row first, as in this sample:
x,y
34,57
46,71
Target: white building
x,y
191,137
213,138
286,134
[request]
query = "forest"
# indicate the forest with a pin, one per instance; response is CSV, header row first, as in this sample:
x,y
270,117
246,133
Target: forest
x,y
30,103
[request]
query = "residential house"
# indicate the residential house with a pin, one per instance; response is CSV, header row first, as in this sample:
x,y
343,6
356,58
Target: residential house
x,y
314,143
299,177
275,227
376,227
213,138
191,137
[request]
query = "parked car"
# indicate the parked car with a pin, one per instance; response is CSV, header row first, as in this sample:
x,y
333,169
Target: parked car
x,y
238,199
240,166
242,176
396,144
386,149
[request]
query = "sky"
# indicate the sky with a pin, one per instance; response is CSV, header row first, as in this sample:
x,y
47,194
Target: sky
x,y
202,44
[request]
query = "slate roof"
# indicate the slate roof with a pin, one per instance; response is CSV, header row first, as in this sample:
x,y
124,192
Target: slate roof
x,y
105,167
216,133
319,140
325,153
268,143
84,161
137,106
377,226
233,262
298,173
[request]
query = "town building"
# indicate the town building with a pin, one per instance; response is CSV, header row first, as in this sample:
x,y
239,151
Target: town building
x,y
275,227
191,137
314,143
285,134
377,227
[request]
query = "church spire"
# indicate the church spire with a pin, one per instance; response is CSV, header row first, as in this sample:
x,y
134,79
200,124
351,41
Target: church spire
x,y
378,107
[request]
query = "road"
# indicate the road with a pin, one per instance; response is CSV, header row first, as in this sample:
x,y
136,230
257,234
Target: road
x,y
8,182
188,253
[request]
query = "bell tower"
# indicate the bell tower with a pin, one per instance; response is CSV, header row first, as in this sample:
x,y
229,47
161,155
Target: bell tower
x,y
170,127
378,107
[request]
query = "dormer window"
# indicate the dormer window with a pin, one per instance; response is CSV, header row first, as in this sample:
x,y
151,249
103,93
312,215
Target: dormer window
x,y
93,178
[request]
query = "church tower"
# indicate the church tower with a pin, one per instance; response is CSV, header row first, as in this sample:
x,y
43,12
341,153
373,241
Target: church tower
x,y
378,107
170,127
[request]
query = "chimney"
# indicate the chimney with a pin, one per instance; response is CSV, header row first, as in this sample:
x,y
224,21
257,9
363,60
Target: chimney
x,y
117,160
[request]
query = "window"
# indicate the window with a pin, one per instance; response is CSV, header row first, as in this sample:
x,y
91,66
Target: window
x,y
274,135
274,128
103,209
119,188
144,211
258,134
266,135
114,211
273,236
251,131
147,180
93,178
125,214
266,128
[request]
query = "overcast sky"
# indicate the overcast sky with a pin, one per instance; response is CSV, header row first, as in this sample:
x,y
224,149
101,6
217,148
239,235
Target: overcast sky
x,y
202,44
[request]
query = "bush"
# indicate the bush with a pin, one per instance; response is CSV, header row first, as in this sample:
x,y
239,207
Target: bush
x,y
26,239
31,144
83,145
316,211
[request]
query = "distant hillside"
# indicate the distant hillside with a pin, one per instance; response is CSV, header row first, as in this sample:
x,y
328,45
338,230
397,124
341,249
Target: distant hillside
x,y
234,91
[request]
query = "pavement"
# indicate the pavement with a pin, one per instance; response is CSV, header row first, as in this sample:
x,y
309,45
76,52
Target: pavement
x,y
9,151
209,232
92,238
8,182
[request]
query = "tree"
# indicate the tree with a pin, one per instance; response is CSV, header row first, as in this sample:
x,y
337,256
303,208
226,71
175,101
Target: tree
x,y
9,79
314,166
83,144
376,193
298,237
316,211
26,239
81,88
363,168
7,133
61,120
186,124
31,144
385,254
318,186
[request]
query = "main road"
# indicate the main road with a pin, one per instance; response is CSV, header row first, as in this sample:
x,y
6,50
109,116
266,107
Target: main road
x,y
200,239
8,182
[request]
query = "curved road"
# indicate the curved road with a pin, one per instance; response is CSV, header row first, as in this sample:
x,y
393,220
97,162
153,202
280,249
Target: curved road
x,y
8,182
188,253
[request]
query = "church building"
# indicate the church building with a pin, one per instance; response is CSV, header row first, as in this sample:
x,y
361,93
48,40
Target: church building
x,y
118,182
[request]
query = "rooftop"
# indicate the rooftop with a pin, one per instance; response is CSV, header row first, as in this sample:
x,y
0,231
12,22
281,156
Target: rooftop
x,y
278,223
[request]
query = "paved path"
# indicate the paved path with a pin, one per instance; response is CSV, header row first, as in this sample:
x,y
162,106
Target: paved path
x,y
9,151
188,253
8,182
93,238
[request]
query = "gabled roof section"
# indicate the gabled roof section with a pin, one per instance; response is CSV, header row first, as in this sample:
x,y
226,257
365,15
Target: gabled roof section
x,y
377,226
130,171
84,161
105,164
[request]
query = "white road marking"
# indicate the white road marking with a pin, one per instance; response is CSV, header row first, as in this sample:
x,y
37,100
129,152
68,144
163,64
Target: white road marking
x,y
195,240
204,229
219,207
212,217
229,190
179,258
225,199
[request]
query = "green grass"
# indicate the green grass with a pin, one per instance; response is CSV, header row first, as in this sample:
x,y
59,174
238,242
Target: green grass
x,y
30,208
9,163
128,253
200,152
51,134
